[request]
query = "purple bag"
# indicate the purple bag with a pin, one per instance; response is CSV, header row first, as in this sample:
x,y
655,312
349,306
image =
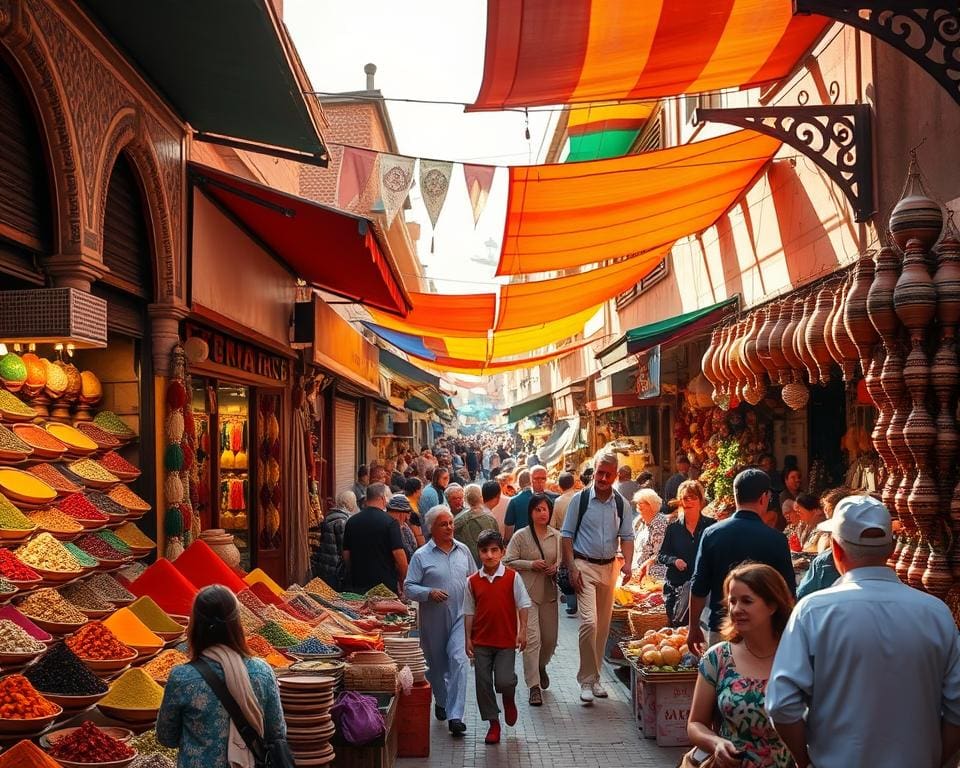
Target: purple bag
x,y
358,718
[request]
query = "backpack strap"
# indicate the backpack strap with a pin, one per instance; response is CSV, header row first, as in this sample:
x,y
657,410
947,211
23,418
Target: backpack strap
x,y
584,498
247,732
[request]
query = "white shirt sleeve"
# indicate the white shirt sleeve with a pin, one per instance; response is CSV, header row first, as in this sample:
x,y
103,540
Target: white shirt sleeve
x,y
520,596
790,687
469,604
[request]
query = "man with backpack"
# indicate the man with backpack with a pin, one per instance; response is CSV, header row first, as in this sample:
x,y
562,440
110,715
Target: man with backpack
x,y
596,526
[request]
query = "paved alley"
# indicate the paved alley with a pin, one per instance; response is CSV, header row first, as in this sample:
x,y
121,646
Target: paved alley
x,y
561,734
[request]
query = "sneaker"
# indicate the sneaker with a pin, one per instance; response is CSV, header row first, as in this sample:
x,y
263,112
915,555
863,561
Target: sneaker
x,y
544,678
439,712
571,614
586,693
599,691
457,727
536,697
509,710
493,733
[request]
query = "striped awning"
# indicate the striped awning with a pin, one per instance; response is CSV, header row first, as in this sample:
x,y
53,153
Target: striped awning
x,y
542,52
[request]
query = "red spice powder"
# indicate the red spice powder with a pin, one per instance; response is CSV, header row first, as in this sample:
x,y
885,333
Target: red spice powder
x,y
79,508
13,569
116,463
262,591
169,588
202,567
89,744
26,754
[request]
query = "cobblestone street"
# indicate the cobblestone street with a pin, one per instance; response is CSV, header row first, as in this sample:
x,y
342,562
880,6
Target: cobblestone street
x,y
561,734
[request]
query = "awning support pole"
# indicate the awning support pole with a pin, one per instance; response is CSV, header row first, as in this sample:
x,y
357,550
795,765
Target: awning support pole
x,y
838,138
925,32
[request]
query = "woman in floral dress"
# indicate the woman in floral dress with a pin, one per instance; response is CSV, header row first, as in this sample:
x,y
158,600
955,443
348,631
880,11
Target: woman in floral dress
x,y
648,530
733,674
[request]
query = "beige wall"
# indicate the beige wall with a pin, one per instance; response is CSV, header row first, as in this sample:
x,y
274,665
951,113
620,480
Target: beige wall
x,y
235,277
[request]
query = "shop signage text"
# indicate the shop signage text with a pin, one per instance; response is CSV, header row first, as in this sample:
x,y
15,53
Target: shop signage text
x,y
648,374
239,355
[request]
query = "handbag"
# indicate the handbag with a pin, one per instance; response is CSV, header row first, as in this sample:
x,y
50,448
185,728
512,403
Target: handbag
x,y
681,606
690,759
358,718
266,754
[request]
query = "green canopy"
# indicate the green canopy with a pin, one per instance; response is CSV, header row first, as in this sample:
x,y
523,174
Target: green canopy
x,y
601,144
529,407
226,66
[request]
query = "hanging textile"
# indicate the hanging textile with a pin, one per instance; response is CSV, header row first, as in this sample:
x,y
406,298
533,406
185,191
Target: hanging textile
x,y
437,313
356,168
396,178
569,215
479,179
541,52
604,130
297,497
434,185
454,365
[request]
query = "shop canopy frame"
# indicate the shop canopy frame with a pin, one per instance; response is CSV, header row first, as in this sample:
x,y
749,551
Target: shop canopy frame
x,y
529,407
305,236
540,52
249,95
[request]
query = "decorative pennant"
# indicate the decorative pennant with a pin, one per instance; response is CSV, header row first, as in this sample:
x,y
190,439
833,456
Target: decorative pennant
x,y
434,184
356,168
396,178
479,179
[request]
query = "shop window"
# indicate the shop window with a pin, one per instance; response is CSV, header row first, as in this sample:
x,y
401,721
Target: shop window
x,y
653,277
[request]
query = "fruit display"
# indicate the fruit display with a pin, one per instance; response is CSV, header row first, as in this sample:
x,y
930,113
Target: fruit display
x,y
663,650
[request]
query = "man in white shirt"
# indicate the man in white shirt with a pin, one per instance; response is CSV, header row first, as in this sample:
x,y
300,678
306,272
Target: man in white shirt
x,y
868,671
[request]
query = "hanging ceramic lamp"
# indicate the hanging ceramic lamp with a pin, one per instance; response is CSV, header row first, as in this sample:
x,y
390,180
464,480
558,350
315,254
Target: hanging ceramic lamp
x,y
916,215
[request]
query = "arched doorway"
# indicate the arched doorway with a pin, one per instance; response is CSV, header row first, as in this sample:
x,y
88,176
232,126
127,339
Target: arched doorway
x,y
25,200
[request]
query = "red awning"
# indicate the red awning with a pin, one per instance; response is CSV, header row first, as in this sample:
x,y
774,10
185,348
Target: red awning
x,y
329,249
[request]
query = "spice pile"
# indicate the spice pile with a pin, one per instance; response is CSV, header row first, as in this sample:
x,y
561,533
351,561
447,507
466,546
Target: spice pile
x,y
12,569
60,671
169,588
13,404
84,597
48,605
12,614
114,462
108,586
252,602
13,639
53,520
105,504
88,744
251,623
128,499
13,444
128,628
153,761
100,437
39,438
56,480
116,542
151,614
48,554
20,701
159,667
276,635
260,647
85,560
383,591
147,745
133,537
98,548
134,689
78,507
313,646
110,422
88,469
26,754
11,518
95,641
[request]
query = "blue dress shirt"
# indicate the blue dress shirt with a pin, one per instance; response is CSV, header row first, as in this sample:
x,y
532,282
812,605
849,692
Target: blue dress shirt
x,y
601,531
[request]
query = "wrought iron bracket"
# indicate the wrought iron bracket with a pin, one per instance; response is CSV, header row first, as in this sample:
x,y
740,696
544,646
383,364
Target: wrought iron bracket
x,y
837,137
926,31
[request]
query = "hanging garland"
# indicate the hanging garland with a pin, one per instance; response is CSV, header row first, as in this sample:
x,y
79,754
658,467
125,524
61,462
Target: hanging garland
x,y
179,484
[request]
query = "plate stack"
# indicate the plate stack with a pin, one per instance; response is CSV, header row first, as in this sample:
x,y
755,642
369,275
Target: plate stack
x,y
406,652
306,701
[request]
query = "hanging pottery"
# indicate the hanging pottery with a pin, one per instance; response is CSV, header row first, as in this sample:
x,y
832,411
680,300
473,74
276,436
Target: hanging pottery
x,y
855,318
835,304
751,355
916,215
880,308
769,315
720,362
847,354
778,359
817,347
795,395
789,349
800,340
706,362
915,297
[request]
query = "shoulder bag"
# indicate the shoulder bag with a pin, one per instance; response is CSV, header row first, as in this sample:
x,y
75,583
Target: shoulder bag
x,y
266,754
563,573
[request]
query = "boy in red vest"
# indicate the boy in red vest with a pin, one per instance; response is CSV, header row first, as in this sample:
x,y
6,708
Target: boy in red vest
x,y
495,606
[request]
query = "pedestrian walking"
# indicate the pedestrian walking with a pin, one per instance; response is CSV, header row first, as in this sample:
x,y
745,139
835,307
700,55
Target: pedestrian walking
x,y
328,559
517,509
648,530
360,487
742,537
433,493
399,509
672,486
495,606
373,546
678,550
734,673
565,483
453,497
413,490
437,579
868,671
535,552
469,524
598,522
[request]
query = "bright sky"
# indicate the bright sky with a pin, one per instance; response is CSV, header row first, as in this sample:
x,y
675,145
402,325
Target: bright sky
x,y
432,50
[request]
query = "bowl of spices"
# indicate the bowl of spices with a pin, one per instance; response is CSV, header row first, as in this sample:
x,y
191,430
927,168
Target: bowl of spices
x,y
90,602
50,558
156,619
19,574
99,648
136,507
138,542
131,631
90,746
53,521
25,488
109,422
78,444
13,449
12,408
81,509
51,612
93,473
117,513
44,445
107,556
111,589
160,666
134,697
104,440
23,710
14,525
119,466
17,646
63,678
120,734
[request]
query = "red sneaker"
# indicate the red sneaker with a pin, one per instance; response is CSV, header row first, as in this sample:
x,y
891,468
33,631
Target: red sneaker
x,y
493,734
510,709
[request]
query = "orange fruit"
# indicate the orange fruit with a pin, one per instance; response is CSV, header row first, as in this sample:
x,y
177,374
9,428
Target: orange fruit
x,y
654,658
670,656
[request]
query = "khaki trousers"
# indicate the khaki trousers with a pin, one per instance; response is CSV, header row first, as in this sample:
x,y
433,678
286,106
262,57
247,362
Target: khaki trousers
x,y
595,602
542,619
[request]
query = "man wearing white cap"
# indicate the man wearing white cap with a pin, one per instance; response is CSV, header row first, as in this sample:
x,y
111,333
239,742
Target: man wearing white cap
x,y
868,671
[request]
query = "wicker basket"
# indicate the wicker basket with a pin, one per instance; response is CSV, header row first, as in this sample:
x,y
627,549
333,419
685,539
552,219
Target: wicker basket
x,y
620,613
641,622
370,677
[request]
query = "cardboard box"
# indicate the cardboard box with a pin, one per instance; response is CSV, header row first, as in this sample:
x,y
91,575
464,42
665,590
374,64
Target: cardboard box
x,y
673,702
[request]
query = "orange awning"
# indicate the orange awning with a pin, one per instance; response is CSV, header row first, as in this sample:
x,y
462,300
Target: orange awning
x,y
546,52
453,365
522,304
438,313
568,215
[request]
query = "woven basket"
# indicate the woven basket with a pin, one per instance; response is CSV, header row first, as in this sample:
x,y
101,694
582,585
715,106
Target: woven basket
x,y
370,677
642,622
620,613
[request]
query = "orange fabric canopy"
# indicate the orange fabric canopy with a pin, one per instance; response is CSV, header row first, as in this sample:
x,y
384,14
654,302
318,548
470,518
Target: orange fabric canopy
x,y
522,304
439,313
473,368
547,52
568,215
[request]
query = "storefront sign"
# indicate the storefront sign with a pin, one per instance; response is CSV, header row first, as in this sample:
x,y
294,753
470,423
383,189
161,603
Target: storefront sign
x,y
338,347
648,374
240,355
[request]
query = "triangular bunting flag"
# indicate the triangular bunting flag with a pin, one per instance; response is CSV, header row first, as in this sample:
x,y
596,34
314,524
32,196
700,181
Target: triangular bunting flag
x,y
434,184
356,168
396,178
479,179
